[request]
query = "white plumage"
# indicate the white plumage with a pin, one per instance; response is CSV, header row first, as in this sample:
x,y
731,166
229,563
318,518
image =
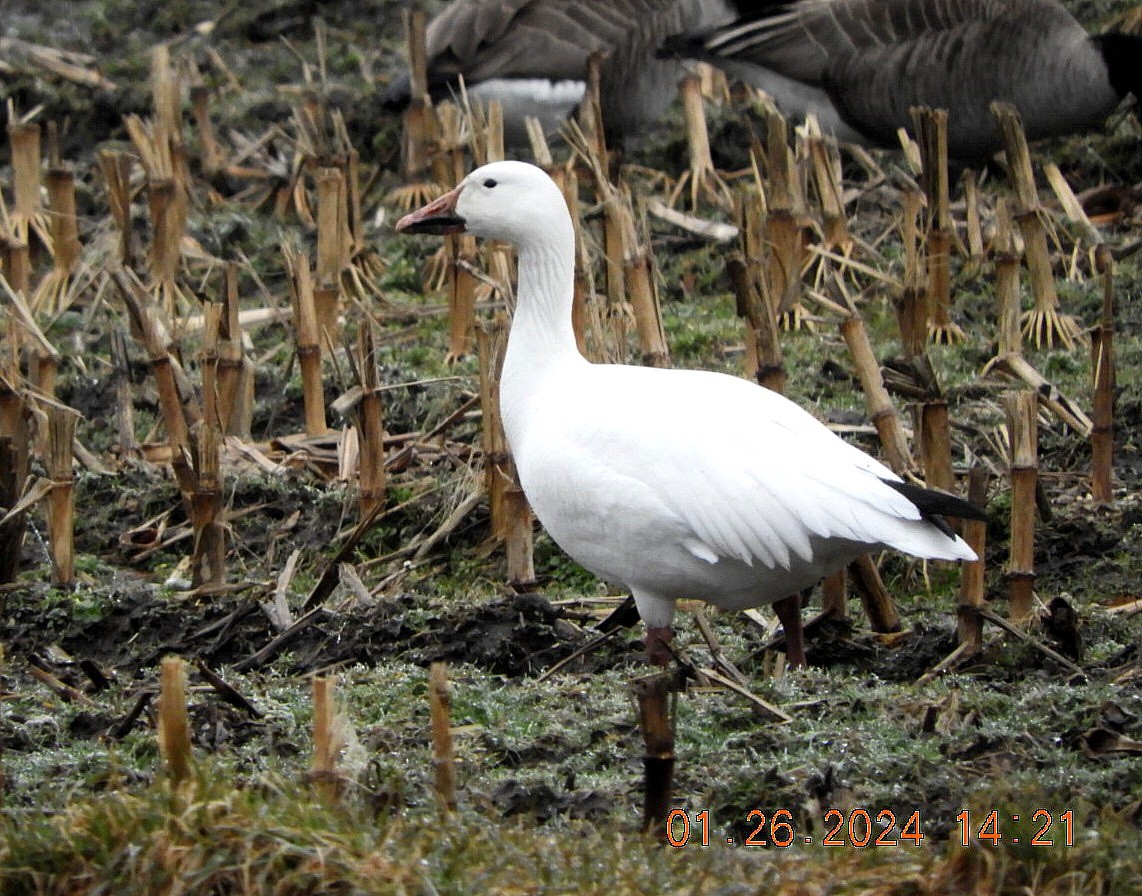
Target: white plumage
x,y
674,483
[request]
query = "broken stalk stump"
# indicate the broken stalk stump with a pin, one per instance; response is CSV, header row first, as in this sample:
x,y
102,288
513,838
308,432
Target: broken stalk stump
x,y
880,407
208,562
12,526
936,445
704,181
235,376
326,745
931,127
147,330
764,359
1102,412
656,721
783,232
508,507
443,755
462,285
419,133
173,725
878,606
969,624
308,338
1022,421
370,425
57,456
1045,324
52,294
116,168
332,252
642,290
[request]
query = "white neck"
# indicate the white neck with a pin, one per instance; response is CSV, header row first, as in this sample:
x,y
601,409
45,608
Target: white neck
x,y
541,331
542,338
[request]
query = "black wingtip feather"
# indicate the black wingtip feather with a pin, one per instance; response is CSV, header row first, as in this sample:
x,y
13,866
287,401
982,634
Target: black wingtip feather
x,y
935,504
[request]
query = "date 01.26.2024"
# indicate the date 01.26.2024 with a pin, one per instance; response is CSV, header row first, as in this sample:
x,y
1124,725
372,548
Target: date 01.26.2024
x,y
857,828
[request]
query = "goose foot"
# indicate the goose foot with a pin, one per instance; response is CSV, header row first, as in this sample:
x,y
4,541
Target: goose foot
x,y
658,645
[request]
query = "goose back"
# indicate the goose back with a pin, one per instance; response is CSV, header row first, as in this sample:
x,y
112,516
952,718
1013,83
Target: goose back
x,y
871,60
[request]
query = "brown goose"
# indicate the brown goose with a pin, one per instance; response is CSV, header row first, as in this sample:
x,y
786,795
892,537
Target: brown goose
x,y
532,55
860,64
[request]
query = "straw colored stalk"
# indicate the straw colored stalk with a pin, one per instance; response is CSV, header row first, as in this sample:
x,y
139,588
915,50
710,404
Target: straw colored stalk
x,y
1022,420
52,292
27,207
510,513
167,203
834,594
568,182
826,169
1045,324
590,115
642,289
463,285
880,407
116,168
972,578
419,134
931,127
13,471
656,721
1010,360
308,339
332,251
213,157
26,332
17,267
705,182
1007,283
1103,364
370,425
208,564
912,306
174,725
936,445
783,233
15,450
326,778
208,356
972,216
57,456
235,374
148,331
874,597
443,754
121,383
764,359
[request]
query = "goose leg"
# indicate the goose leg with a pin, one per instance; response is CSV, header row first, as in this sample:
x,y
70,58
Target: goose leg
x,y
788,611
658,645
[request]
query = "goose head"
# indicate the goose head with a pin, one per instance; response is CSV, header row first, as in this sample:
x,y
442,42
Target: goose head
x,y
511,201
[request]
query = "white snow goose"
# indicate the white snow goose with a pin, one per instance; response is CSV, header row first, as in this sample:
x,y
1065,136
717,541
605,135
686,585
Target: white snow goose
x,y
860,64
531,55
673,483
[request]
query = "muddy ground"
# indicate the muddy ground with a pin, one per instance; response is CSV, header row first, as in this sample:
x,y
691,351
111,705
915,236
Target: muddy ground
x,y
1013,724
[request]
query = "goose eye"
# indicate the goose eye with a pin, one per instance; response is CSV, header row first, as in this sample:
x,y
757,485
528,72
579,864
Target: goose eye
x,y
490,182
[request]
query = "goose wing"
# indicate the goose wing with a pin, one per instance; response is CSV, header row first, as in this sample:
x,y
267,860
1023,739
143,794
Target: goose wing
x,y
723,468
801,39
